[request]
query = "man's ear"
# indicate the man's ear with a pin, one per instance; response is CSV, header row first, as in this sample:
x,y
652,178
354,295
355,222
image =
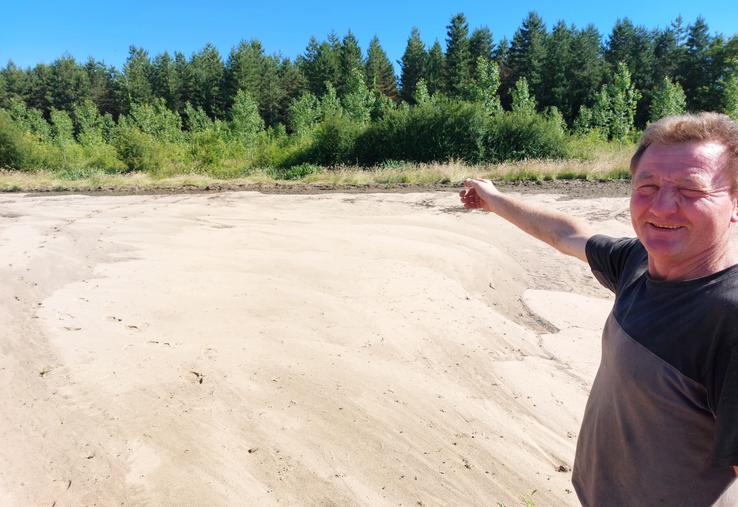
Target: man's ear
x,y
734,213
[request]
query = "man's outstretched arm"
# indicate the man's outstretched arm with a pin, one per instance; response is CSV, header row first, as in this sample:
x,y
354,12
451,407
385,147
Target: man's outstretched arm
x,y
566,234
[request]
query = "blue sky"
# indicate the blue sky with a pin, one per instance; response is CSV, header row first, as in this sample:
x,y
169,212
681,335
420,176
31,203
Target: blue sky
x,y
40,31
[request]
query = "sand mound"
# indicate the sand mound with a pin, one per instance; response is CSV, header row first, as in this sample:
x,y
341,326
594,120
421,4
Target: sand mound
x,y
240,348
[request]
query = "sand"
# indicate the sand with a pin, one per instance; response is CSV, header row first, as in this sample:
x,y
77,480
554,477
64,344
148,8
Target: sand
x,y
250,349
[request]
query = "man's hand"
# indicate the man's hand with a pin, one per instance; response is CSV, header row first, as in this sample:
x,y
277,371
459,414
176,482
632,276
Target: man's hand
x,y
478,194
566,234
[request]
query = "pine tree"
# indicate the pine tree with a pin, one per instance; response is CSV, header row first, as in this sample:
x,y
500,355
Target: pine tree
x,y
207,74
557,70
244,70
4,95
434,70
413,65
380,75
185,79
480,46
321,64
668,50
528,53
293,84
137,78
16,81
502,58
587,72
350,62
164,81
634,46
457,63
271,93
695,70
102,87
667,100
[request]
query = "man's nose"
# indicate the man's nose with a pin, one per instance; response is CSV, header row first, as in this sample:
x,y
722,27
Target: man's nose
x,y
665,201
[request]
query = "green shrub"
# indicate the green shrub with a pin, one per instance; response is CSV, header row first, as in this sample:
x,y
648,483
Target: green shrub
x,y
295,172
12,145
513,136
137,150
435,130
207,148
334,142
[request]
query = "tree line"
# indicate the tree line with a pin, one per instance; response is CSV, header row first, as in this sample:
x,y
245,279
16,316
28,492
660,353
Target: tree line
x,y
338,104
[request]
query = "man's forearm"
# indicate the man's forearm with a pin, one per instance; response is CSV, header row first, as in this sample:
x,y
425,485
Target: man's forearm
x,y
565,233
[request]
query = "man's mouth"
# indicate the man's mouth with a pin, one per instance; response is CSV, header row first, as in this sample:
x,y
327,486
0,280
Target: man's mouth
x,y
664,227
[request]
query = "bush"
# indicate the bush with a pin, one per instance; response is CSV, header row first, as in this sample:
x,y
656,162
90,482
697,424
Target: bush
x,y
513,136
434,131
11,143
207,148
296,172
334,142
137,150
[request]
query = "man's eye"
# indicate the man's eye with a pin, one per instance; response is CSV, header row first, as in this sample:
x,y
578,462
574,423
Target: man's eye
x,y
647,189
691,193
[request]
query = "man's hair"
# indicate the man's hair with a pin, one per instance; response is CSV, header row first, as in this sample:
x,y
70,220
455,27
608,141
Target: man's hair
x,y
692,127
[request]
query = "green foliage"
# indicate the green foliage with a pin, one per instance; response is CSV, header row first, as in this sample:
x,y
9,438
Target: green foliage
x,y
138,150
330,105
335,142
669,99
339,108
413,65
458,58
514,136
155,120
195,119
357,101
436,130
522,101
207,148
304,114
29,119
421,95
380,75
297,172
62,128
12,145
730,96
528,53
351,65
245,120
88,123
613,112
434,69
486,86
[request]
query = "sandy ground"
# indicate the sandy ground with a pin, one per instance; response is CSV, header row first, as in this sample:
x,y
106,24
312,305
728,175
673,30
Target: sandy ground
x,y
251,349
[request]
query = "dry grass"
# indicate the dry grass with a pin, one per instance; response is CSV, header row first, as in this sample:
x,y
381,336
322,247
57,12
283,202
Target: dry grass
x,y
606,164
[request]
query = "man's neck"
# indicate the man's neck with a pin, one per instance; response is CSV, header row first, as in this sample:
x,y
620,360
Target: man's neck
x,y
690,269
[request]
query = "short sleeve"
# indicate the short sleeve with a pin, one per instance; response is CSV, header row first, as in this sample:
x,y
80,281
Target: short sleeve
x,y
608,257
725,452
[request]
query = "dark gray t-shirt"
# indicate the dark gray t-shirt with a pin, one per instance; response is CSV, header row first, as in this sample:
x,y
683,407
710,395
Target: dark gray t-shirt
x,y
661,422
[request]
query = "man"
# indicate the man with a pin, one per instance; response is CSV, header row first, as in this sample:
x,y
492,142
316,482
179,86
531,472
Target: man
x,y
661,422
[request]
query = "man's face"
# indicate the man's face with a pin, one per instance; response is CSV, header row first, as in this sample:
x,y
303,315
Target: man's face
x,y
682,207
